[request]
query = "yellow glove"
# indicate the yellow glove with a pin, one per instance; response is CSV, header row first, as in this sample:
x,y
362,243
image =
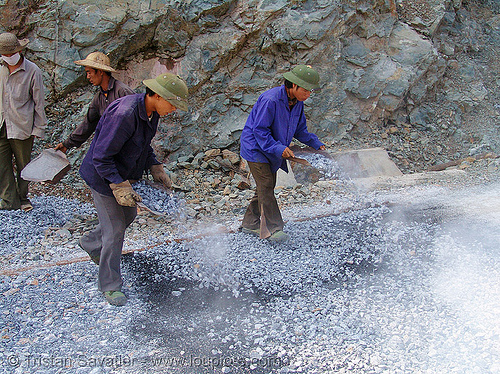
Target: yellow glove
x,y
159,175
125,194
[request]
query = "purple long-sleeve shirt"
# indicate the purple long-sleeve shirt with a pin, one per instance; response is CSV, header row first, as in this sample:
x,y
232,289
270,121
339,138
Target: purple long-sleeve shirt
x,y
121,148
270,128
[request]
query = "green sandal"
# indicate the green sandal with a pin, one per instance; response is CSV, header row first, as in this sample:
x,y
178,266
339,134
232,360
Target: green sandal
x,y
279,236
95,259
116,298
255,232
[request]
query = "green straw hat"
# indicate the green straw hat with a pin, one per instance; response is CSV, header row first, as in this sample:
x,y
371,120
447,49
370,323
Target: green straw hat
x,y
303,76
171,87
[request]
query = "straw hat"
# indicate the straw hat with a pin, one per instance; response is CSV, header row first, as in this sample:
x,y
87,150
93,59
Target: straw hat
x,y
9,43
97,60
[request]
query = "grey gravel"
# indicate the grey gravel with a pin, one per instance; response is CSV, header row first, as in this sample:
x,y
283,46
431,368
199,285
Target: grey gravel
x,y
28,237
328,168
159,200
316,252
399,279
21,228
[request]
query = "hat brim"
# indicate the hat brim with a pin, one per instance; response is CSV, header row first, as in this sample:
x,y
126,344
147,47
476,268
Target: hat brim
x,y
95,65
299,82
22,44
167,95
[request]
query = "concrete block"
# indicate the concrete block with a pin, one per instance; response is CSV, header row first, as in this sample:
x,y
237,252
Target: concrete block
x,y
365,163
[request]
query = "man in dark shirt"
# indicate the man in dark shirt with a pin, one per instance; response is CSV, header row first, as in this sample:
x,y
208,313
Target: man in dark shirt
x,y
120,152
98,70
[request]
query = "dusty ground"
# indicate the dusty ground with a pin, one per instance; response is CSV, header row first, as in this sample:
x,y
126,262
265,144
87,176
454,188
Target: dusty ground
x,y
382,275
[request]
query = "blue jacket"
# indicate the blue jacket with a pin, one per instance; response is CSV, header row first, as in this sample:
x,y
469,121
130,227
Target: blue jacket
x,y
121,148
270,128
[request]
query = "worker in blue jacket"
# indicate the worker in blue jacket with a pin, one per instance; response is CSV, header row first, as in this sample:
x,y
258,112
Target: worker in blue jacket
x,y
276,118
119,153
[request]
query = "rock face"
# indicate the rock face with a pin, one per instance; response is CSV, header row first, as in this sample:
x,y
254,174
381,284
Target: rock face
x,y
419,78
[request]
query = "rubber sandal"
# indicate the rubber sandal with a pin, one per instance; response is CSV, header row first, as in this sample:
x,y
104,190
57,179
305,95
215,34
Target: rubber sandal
x,y
27,207
116,298
95,259
279,236
255,232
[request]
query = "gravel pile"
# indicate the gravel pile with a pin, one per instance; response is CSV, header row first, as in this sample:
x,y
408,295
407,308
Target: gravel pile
x,y
328,168
158,199
22,232
394,280
320,251
372,290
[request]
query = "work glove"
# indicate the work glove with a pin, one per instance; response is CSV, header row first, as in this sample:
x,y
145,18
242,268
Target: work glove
x,y
125,194
159,175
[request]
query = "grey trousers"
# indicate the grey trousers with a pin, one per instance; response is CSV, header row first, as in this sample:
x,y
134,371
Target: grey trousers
x,y
13,189
106,239
264,200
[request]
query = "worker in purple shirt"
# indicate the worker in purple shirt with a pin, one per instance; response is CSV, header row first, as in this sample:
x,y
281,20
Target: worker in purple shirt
x,y
120,153
98,70
276,118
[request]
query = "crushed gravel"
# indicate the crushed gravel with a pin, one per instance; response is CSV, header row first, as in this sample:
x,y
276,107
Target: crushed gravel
x,y
397,279
159,200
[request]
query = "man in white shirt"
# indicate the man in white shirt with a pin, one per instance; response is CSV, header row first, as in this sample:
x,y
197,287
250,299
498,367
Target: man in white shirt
x,y
22,118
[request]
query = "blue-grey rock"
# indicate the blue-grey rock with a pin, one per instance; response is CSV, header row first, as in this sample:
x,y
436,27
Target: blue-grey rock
x,y
376,62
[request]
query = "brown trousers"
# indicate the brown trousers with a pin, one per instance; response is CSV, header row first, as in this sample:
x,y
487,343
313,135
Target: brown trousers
x,y
13,189
263,203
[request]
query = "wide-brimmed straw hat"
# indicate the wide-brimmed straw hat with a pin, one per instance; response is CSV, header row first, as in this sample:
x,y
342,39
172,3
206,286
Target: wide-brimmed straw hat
x,y
9,43
97,60
171,87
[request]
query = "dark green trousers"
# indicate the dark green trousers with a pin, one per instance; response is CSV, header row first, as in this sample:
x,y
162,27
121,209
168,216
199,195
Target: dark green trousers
x,y
13,189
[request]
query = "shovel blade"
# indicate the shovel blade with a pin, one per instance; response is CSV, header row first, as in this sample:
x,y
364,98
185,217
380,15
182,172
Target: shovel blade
x,y
299,161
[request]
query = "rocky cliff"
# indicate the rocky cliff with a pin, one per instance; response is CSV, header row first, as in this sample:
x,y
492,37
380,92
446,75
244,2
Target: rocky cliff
x,y
419,78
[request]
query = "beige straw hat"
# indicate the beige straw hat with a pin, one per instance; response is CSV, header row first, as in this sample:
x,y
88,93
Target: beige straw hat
x,y
9,43
97,60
